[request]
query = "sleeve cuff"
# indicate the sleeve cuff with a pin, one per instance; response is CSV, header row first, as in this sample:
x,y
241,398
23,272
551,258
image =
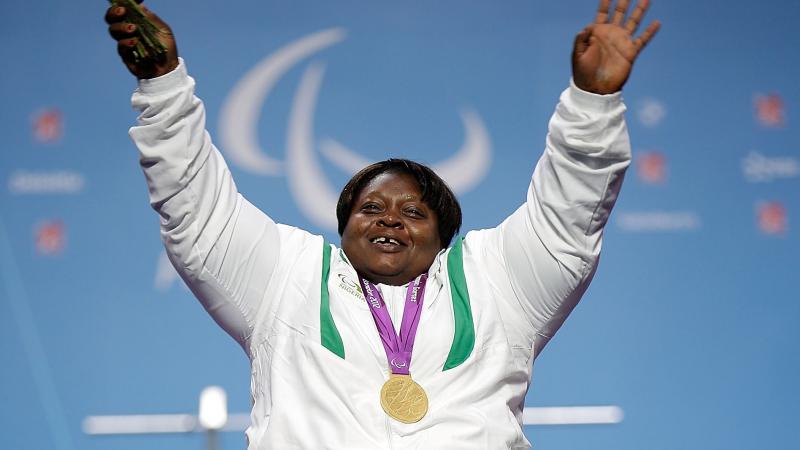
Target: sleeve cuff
x,y
591,101
178,77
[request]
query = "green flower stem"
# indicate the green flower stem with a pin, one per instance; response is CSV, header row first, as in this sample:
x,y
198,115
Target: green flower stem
x,y
149,46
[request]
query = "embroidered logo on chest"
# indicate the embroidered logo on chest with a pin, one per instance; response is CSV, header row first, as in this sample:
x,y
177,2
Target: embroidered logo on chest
x,y
351,287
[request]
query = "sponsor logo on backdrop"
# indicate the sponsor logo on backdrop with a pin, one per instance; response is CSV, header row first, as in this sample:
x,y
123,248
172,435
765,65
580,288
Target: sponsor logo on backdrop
x,y
658,221
769,110
758,168
772,218
651,167
651,112
312,192
58,182
48,126
50,237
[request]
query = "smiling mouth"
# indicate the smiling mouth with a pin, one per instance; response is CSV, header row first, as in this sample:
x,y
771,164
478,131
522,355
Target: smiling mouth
x,y
387,244
385,240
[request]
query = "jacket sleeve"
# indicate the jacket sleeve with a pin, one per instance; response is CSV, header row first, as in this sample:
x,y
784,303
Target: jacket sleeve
x,y
549,248
222,246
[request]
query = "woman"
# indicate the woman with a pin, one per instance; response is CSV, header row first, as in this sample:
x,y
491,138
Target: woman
x,y
320,324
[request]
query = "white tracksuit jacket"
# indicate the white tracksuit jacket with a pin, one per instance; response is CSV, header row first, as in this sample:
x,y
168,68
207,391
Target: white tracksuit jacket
x,y
263,283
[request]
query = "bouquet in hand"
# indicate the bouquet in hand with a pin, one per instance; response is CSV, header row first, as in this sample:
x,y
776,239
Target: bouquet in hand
x,y
149,46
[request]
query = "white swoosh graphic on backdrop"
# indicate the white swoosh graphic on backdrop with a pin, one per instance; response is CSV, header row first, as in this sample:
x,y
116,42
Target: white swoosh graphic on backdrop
x,y
342,157
465,169
241,110
462,171
307,182
306,178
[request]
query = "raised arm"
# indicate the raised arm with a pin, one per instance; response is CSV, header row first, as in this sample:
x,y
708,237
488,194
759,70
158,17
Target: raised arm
x,y
551,245
223,247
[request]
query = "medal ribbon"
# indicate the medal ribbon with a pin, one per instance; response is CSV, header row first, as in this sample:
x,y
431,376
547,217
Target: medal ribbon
x,y
398,348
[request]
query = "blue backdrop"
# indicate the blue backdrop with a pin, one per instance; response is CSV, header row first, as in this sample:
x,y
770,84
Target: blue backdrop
x,y
690,325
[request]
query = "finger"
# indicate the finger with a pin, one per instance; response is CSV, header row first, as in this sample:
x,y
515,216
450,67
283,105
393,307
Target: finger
x,y
602,11
648,34
619,12
115,14
125,48
122,30
636,17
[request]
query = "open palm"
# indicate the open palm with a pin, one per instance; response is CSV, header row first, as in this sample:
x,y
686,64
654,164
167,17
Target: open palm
x,y
605,51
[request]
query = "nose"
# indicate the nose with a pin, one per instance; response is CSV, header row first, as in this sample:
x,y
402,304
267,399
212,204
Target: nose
x,y
390,220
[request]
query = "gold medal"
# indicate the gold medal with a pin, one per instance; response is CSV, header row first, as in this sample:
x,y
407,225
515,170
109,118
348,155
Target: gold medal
x,y
403,399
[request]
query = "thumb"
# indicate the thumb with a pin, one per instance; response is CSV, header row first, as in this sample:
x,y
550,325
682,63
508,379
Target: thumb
x,y
582,41
154,18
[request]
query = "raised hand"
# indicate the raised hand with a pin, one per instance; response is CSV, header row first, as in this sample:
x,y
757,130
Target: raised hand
x,y
605,51
124,33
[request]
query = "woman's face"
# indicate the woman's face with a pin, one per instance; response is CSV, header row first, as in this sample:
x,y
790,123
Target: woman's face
x,y
392,235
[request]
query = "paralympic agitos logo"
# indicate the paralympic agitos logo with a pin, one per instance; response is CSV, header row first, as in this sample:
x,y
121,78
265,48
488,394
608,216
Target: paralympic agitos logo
x,y
310,189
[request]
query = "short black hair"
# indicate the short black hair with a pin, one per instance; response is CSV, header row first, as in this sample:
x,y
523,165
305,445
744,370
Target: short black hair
x,y
435,193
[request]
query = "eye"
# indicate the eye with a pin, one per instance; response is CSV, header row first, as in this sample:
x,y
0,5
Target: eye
x,y
415,212
370,207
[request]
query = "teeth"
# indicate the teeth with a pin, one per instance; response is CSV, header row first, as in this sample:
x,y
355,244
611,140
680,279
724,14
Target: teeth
x,y
385,240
